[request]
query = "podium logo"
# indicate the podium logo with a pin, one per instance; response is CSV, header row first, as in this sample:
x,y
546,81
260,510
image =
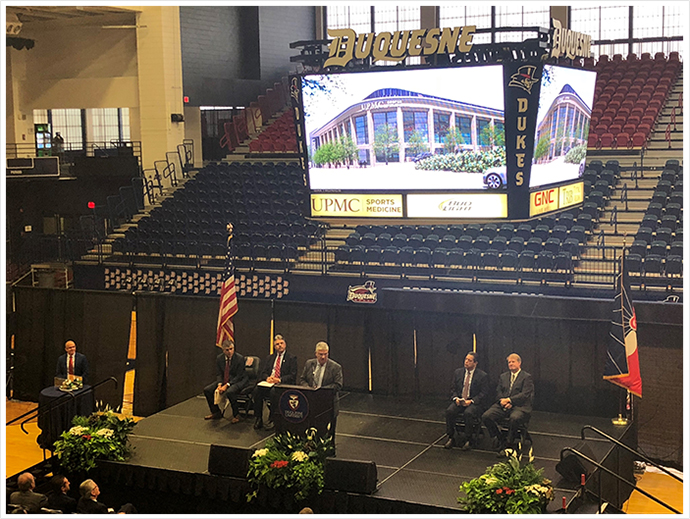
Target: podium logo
x,y
365,293
294,406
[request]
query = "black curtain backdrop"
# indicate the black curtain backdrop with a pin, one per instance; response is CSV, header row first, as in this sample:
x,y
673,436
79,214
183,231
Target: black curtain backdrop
x,y
99,324
176,337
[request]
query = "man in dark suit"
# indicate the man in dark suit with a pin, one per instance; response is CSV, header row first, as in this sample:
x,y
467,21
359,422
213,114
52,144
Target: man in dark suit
x,y
514,396
324,372
72,363
231,378
58,499
278,368
468,394
88,502
31,501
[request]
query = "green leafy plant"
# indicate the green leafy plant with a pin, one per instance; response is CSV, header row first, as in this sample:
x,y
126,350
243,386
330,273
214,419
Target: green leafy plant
x,y
576,154
508,487
290,462
102,435
464,161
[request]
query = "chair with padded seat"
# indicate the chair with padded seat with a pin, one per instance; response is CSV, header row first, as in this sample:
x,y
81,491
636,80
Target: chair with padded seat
x,y
252,365
674,265
509,259
652,264
390,254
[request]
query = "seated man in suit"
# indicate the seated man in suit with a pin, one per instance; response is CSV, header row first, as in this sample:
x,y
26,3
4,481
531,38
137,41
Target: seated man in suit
x,y
278,368
72,364
468,394
58,499
514,396
324,372
31,501
88,502
231,378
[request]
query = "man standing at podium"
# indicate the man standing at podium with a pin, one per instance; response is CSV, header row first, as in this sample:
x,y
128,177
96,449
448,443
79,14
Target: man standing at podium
x,y
72,364
324,372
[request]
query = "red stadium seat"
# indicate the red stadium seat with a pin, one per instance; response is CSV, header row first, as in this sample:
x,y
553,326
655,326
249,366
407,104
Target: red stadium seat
x,y
620,120
648,120
615,129
622,140
629,129
592,140
646,56
660,56
607,140
638,140
633,119
255,146
600,129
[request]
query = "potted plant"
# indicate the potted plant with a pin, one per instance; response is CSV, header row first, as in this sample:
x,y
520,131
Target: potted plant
x,y
102,435
508,488
291,464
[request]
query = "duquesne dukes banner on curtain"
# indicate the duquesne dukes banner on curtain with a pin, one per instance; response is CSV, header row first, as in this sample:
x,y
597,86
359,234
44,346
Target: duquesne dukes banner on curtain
x,y
622,364
228,298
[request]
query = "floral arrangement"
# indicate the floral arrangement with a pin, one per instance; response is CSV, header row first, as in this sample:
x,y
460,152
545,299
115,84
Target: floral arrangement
x,y
508,488
290,462
71,385
103,435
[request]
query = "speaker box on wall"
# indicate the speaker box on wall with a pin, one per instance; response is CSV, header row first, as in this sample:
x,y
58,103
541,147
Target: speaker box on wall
x,y
571,467
350,475
228,461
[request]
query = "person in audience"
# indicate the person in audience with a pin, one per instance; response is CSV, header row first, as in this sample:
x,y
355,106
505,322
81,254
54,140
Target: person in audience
x,y
514,396
72,363
58,499
88,502
469,393
278,368
231,378
31,501
324,372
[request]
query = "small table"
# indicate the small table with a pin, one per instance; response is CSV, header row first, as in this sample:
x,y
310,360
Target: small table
x,y
58,419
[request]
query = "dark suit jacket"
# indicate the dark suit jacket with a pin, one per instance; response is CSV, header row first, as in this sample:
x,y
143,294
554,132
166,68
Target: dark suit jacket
x,y
288,368
89,506
81,366
32,501
237,372
62,502
479,387
522,394
332,377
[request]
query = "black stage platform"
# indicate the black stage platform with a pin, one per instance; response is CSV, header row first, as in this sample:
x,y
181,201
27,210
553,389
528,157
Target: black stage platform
x,y
402,435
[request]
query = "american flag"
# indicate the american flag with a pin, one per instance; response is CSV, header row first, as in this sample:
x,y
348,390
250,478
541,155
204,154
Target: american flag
x,y
228,298
622,363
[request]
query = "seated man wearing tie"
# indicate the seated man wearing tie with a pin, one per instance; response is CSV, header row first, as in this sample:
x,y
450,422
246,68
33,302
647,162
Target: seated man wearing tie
x,y
231,378
278,368
324,372
72,364
468,394
514,396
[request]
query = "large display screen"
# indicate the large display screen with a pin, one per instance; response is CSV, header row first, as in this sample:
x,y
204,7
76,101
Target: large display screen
x,y
404,130
565,109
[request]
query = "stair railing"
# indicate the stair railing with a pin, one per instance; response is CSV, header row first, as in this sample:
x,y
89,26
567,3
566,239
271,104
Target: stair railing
x,y
624,195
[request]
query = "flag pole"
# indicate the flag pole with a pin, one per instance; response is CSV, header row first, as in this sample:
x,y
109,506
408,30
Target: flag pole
x,y
621,419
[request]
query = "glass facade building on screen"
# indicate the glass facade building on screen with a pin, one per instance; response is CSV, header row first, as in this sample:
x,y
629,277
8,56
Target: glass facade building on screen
x,y
409,118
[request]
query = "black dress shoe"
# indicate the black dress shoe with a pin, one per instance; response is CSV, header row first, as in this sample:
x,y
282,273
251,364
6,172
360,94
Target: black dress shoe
x,y
214,416
270,426
466,446
449,444
258,423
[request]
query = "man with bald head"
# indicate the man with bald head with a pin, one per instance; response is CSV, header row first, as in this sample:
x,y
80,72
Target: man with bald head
x,y
514,396
31,501
72,363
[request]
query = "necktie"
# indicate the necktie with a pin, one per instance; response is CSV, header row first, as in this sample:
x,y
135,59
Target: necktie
x,y
317,375
278,361
466,387
226,375
512,380
70,367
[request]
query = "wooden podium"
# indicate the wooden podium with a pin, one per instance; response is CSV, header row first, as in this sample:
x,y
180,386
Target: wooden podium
x,y
298,408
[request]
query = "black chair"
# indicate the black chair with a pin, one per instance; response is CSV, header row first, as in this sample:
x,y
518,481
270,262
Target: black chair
x,y
660,196
669,175
534,245
670,221
490,230
639,247
490,258
415,241
560,232
390,254
658,247
655,208
524,231
676,248
545,260
473,229
542,232
448,241
384,240
499,243
432,241
526,260
399,240
652,264
563,261
357,254
507,230
516,244
406,255
368,239
673,208
664,233
650,220
353,239
673,164
553,245
422,256
424,230
342,253
596,197
482,242
602,186
571,245
578,232
674,265
633,263
590,208
465,242
644,233
509,259
373,254
252,367
439,257
473,258
596,165
456,257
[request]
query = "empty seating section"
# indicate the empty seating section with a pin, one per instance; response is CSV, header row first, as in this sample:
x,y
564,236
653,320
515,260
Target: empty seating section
x,y
629,95
259,199
657,249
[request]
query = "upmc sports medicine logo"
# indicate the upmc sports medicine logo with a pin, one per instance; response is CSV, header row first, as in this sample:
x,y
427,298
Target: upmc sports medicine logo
x,y
365,293
294,406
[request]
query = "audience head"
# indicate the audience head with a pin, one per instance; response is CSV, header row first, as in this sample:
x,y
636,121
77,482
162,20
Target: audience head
x,y
279,344
89,489
59,484
26,481
322,352
514,362
306,510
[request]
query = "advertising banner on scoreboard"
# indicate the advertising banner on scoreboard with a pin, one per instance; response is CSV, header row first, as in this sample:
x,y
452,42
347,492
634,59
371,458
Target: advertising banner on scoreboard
x,y
359,205
467,205
554,198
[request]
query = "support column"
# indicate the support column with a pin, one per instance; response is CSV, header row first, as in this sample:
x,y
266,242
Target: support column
x,y
159,59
